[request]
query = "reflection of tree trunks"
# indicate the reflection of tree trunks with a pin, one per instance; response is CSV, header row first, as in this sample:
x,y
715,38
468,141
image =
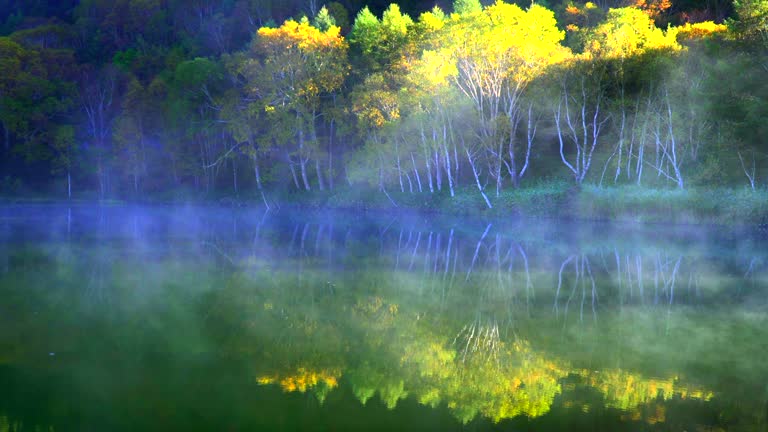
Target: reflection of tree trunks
x,y
630,283
234,175
560,282
318,236
448,253
477,251
478,338
397,253
415,249
618,275
528,283
594,296
429,250
293,239
303,239
639,269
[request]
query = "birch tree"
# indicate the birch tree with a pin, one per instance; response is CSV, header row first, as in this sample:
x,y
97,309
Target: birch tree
x,y
289,69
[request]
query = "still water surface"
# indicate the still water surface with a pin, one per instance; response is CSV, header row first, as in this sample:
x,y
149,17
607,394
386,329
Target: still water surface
x,y
180,318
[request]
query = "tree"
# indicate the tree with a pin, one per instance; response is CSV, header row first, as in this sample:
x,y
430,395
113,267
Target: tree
x,y
381,43
467,7
493,56
191,110
290,69
36,100
99,93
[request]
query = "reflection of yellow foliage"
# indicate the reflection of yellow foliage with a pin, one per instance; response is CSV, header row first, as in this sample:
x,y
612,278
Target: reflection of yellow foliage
x,y
513,380
303,379
626,391
266,379
369,306
519,382
376,310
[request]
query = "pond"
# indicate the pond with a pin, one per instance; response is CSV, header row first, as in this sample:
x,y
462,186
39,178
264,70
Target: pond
x,y
194,318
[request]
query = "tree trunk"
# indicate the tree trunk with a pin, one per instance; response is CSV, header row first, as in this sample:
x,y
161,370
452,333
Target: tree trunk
x,y
426,159
293,174
477,178
416,172
399,169
512,164
410,183
304,178
302,160
330,157
258,181
320,182
100,175
438,173
498,168
257,173
621,144
448,168
234,175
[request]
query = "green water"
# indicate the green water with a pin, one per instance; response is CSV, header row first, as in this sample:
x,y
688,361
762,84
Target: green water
x,y
138,318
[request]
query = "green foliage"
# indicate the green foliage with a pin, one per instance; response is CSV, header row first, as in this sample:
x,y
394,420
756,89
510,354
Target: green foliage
x,y
216,86
467,7
751,20
324,20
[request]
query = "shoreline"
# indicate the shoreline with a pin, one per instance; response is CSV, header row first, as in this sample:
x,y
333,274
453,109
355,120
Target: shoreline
x,y
731,207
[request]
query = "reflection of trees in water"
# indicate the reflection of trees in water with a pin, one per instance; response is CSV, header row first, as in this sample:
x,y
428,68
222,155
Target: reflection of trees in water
x,y
496,263
435,370
446,316
478,338
582,270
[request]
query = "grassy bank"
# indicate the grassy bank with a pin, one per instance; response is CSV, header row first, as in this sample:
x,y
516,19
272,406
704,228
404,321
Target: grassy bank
x,y
721,206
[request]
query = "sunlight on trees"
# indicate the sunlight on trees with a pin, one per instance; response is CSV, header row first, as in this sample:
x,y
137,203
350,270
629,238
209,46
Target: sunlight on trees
x,y
461,102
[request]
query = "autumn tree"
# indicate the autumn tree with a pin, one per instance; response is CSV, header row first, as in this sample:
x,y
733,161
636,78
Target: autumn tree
x,y
290,69
494,55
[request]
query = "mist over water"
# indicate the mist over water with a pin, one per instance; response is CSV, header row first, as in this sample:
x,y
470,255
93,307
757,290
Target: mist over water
x,y
168,318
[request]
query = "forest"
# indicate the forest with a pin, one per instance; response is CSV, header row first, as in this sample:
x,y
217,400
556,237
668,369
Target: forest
x,y
268,99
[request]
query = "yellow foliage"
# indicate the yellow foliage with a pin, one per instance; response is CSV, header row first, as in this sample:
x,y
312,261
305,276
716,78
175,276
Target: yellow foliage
x,y
431,22
303,61
628,32
700,30
502,44
300,35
